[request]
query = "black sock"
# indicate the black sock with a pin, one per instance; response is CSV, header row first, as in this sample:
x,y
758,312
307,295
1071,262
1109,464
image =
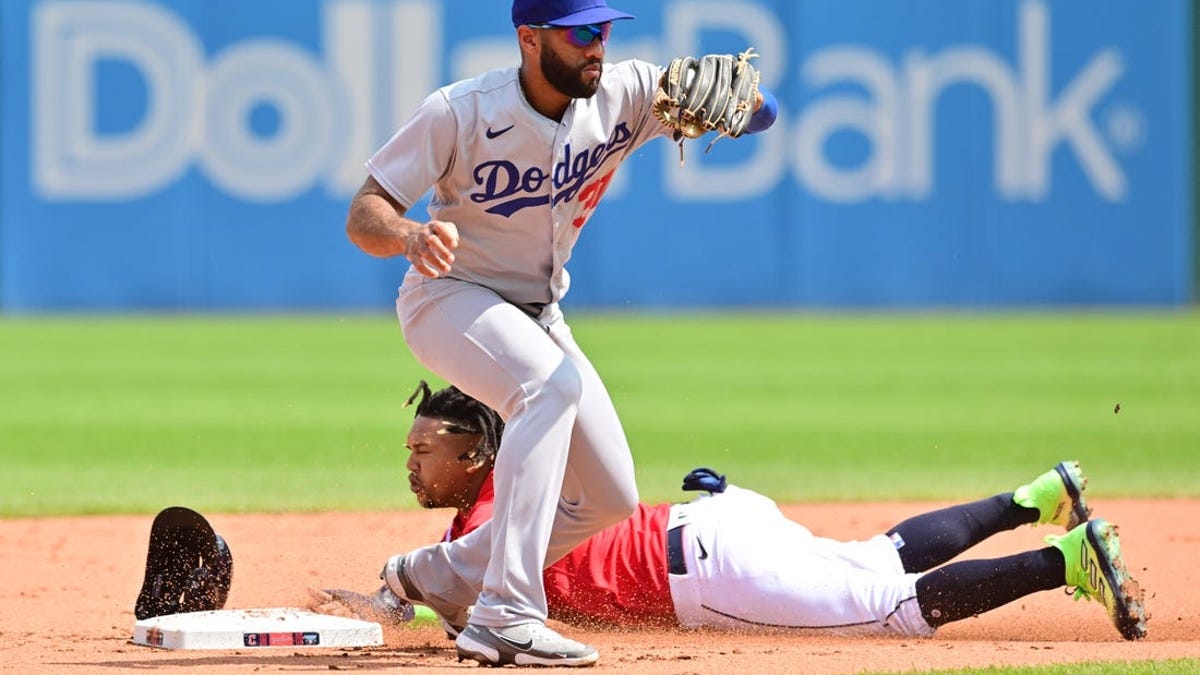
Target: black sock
x,y
972,587
931,539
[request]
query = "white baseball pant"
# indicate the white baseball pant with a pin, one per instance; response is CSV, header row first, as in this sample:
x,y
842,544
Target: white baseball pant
x,y
563,471
749,567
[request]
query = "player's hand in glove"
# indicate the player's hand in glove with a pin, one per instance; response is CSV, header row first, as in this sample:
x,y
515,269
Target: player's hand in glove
x,y
715,92
383,606
704,479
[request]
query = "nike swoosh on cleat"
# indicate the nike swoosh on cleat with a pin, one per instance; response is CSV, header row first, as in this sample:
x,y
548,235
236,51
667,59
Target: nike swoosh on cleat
x,y
523,646
493,134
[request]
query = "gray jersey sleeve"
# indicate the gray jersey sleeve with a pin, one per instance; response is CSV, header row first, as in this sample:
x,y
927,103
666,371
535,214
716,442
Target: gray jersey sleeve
x,y
639,80
419,153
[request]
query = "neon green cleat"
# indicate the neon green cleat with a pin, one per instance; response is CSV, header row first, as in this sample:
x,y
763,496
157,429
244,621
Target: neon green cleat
x,y
1092,553
1057,495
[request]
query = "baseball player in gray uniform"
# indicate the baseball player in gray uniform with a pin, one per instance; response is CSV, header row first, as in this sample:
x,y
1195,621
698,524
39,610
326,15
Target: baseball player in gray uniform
x,y
518,159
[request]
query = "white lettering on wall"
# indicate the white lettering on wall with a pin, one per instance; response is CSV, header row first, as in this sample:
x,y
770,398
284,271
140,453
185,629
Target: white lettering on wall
x,y
69,159
335,106
308,103
898,117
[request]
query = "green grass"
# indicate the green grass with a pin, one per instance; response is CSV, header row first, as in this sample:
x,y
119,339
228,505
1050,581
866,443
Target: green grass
x,y
1166,667
119,414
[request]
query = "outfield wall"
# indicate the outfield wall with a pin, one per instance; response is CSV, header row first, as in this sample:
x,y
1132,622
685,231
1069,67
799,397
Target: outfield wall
x,y
200,154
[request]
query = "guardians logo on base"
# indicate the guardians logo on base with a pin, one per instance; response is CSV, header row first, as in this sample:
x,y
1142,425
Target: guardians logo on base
x,y
154,637
307,639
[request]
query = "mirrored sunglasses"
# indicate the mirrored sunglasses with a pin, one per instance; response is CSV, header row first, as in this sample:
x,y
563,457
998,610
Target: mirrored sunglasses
x,y
582,36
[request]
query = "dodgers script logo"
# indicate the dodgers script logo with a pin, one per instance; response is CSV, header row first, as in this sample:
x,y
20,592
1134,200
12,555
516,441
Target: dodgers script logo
x,y
504,182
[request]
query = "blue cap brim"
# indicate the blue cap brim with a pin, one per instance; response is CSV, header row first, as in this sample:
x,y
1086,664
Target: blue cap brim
x,y
587,16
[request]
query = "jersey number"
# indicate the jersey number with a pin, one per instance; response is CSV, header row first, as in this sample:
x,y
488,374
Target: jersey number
x,y
590,196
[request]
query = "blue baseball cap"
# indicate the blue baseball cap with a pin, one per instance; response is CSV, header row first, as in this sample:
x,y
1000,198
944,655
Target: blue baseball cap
x,y
564,12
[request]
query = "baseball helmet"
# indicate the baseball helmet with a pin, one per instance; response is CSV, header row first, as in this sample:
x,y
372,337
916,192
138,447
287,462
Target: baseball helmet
x,y
188,566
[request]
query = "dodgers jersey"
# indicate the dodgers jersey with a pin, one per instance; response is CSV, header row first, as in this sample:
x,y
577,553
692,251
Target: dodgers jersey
x,y
518,185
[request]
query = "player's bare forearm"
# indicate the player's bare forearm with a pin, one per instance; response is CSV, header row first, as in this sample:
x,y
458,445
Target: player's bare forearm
x,y
376,224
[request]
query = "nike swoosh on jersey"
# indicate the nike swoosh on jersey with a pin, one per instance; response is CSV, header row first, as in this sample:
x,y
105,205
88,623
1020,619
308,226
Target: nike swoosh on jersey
x,y
493,134
703,553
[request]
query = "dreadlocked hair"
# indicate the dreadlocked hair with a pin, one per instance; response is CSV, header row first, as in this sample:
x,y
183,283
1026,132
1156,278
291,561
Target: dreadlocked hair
x,y
462,415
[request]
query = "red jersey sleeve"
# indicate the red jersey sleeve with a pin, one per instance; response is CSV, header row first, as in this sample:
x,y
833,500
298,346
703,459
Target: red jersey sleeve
x,y
618,576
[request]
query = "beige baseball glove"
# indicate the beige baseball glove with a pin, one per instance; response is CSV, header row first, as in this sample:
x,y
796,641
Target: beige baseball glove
x,y
715,92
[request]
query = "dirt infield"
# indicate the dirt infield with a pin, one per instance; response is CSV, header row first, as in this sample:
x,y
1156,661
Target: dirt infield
x,y
66,601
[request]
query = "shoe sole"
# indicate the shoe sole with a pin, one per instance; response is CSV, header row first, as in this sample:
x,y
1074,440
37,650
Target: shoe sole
x,y
487,655
1074,482
1109,575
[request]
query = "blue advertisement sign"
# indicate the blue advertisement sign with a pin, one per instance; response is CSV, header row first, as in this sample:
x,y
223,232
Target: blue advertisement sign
x,y
200,154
